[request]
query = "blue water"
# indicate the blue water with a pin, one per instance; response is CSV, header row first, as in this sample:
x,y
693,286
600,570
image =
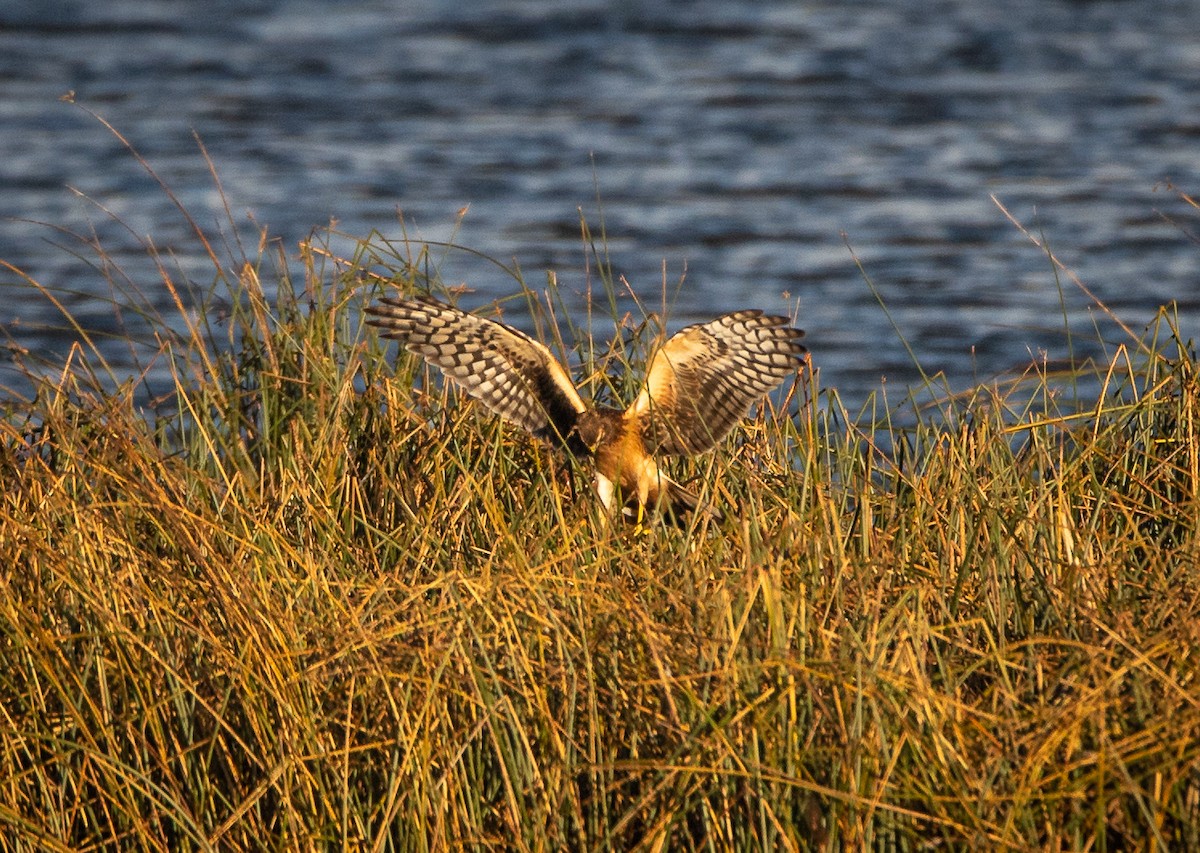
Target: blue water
x,y
751,145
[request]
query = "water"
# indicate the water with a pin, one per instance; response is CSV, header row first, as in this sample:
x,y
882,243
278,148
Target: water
x,y
749,143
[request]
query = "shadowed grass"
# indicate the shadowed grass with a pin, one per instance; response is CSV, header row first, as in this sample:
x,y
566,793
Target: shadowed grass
x,y
310,600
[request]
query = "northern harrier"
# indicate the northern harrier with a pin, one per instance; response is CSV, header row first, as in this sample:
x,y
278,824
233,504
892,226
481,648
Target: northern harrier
x,y
699,384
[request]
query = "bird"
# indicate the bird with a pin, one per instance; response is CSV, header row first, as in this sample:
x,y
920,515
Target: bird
x,y
699,384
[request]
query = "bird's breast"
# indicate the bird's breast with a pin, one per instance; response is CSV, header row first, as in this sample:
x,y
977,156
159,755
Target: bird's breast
x,y
623,460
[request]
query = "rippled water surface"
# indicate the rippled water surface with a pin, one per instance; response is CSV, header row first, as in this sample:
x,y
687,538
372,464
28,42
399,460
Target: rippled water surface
x,y
751,144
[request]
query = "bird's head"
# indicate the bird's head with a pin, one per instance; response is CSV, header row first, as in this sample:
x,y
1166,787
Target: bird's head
x,y
592,428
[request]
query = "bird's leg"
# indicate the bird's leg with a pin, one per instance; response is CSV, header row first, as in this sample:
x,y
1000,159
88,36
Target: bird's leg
x,y
639,528
648,482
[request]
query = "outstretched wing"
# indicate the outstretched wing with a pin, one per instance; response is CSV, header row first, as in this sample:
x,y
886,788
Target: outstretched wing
x,y
704,379
506,370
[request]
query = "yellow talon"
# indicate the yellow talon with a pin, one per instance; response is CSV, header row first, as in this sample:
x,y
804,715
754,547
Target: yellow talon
x,y
639,526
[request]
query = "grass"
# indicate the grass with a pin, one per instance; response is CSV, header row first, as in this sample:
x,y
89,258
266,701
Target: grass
x,y
306,598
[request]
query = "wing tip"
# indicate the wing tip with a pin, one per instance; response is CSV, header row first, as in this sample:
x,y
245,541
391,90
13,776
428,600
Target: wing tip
x,y
396,315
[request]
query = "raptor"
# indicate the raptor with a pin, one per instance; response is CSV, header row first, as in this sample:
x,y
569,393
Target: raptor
x,y
699,384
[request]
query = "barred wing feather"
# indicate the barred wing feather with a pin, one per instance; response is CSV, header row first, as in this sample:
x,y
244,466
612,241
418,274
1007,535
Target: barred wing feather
x,y
706,377
504,369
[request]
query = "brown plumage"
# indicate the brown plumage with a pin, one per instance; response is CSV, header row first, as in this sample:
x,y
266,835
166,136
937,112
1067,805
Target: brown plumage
x,y
699,384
